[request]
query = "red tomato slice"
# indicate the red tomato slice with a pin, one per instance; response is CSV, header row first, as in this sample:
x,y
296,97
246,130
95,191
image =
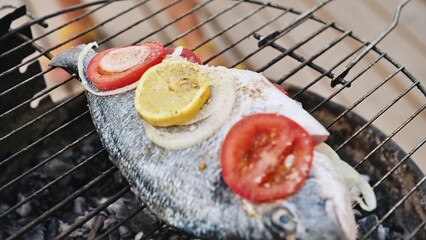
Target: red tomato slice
x,y
105,80
281,88
265,157
187,54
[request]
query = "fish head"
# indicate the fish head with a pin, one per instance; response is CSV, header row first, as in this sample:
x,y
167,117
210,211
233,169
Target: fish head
x,y
313,213
288,219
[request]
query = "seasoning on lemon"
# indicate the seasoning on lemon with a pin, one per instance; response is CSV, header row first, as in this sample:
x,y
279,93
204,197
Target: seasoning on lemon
x,y
171,93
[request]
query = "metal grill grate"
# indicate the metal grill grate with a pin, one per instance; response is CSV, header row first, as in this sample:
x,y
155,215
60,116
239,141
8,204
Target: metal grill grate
x,y
34,140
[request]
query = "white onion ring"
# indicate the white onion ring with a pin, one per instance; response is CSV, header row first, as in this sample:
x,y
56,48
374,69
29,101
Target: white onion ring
x,y
212,105
352,179
177,52
85,82
180,137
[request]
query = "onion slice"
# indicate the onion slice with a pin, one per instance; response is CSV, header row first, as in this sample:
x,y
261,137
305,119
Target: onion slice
x,y
204,124
352,179
177,52
85,82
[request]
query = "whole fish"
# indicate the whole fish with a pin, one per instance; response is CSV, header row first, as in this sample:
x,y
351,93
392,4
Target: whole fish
x,y
198,201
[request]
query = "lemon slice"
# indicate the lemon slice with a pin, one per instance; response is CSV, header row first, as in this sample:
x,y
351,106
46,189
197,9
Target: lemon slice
x,y
171,93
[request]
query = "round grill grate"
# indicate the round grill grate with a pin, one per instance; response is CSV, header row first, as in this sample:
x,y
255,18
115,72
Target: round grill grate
x,y
56,179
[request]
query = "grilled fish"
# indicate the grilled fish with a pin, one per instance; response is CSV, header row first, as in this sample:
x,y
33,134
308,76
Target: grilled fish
x,y
199,202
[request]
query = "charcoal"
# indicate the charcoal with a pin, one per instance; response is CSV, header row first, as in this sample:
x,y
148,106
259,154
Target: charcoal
x,y
89,224
366,223
139,236
115,205
8,228
36,233
79,205
143,222
115,235
168,233
69,217
55,167
80,233
98,224
25,209
109,222
124,232
52,228
63,226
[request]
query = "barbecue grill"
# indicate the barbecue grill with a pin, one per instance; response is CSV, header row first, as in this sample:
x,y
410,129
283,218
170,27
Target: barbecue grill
x,y
57,181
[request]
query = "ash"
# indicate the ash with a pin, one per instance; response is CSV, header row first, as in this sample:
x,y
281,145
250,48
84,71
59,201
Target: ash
x,y
365,223
144,225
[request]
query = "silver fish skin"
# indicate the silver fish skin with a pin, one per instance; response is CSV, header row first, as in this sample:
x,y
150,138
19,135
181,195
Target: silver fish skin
x,y
199,202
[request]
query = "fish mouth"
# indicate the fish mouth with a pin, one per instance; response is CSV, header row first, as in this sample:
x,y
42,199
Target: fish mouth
x,y
345,221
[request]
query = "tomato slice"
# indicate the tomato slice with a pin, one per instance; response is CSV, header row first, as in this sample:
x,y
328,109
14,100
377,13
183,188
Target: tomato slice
x,y
187,54
265,157
281,88
154,53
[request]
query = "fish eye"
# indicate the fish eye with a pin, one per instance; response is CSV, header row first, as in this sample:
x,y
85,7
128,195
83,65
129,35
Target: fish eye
x,y
283,221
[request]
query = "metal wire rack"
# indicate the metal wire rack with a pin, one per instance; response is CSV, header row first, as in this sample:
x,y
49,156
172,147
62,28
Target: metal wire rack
x,y
36,141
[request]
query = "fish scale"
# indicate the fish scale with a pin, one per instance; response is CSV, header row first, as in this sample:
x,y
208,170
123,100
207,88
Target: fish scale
x,y
199,202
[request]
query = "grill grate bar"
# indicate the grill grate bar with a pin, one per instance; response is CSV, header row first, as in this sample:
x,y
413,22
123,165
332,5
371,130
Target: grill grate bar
x,y
310,60
394,168
30,41
35,46
205,22
57,13
365,96
26,81
400,127
300,58
86,218
138,22
278,34
378,115
160,226
269,42
39,95
346,84
286,52
399,203
33,59
111,229
354,37
30,122
252,13
61,204
407,156
174,21
247,36
358,58
28,14
300,19
415,231
67,173
326,73
18,178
